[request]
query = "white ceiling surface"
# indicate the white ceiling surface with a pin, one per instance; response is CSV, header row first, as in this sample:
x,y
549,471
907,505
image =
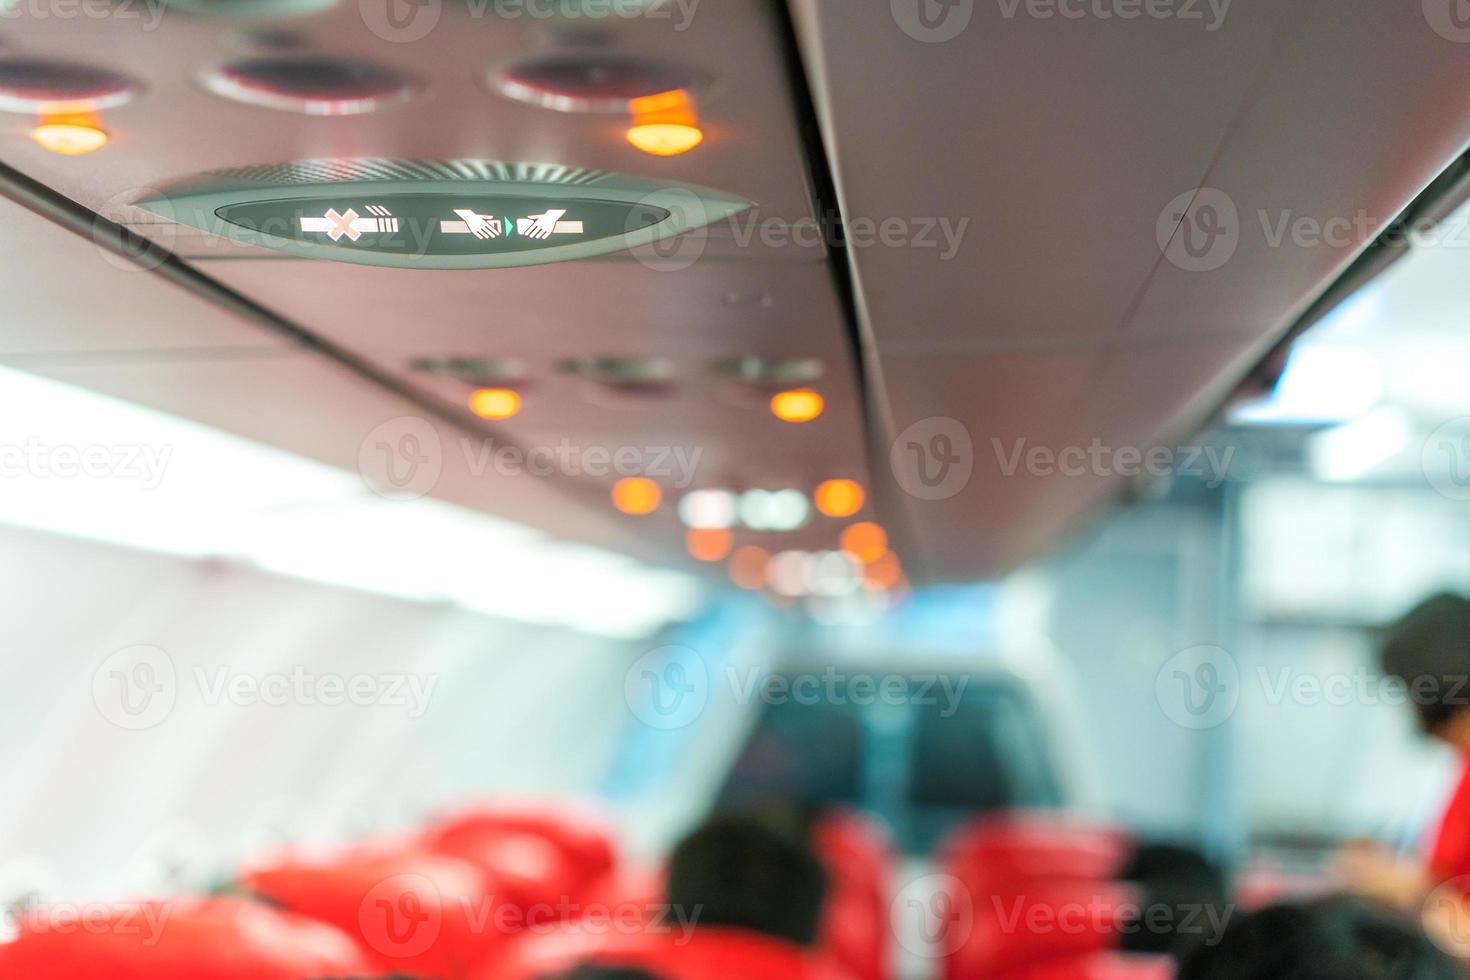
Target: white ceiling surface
x,y
1063,140
617,306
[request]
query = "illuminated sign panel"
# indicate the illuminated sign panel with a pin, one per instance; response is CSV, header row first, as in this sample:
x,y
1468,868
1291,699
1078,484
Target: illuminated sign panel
x,y
439,214
442,224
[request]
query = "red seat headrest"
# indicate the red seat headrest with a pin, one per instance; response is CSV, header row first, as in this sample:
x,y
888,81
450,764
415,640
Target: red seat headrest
x,y
1035,846
584,837
181,939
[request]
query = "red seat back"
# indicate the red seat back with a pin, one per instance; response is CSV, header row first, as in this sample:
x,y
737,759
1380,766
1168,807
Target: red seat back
x,y
855,929
1034,925
181,939
702,954
1036,888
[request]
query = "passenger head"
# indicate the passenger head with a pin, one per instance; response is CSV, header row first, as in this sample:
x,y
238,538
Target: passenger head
x,y
1332,939
1185,901
1429,650
738,870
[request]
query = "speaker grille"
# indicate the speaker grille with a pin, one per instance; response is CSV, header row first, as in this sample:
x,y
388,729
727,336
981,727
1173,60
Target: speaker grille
x,y
335,171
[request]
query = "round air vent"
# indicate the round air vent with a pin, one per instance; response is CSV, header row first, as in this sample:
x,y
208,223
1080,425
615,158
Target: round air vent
x,y
622,380
767,373
33,85
474,370
582,81
314,85
750,380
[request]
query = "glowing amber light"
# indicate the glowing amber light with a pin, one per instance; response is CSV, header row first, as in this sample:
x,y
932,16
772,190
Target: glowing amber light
x,y
799,405
495,403
708,543
838,498
664,124
71,139
636,495
865,541
885,573
748,567
665,139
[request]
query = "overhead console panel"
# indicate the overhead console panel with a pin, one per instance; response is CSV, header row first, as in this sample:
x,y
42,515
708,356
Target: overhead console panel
x,y
452,214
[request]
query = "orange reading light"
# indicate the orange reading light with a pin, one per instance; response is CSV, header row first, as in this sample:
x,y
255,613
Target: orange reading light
x,y
495,403
664,124
709,544
838,498
69,137
799,405
665,139
636,495
865,541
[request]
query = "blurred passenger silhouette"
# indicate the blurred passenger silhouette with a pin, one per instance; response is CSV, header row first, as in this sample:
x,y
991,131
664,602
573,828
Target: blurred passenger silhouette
x,y
1428,651
1332,939
741,870
1186,900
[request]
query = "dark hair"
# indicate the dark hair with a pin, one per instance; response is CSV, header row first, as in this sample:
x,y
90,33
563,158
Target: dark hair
x,y
1331,939
738,870
1186,900
1429,650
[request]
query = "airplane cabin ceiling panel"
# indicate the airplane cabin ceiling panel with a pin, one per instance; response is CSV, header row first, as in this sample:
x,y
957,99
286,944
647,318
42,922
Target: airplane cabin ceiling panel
x,y
1076,145
65,296
757,285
